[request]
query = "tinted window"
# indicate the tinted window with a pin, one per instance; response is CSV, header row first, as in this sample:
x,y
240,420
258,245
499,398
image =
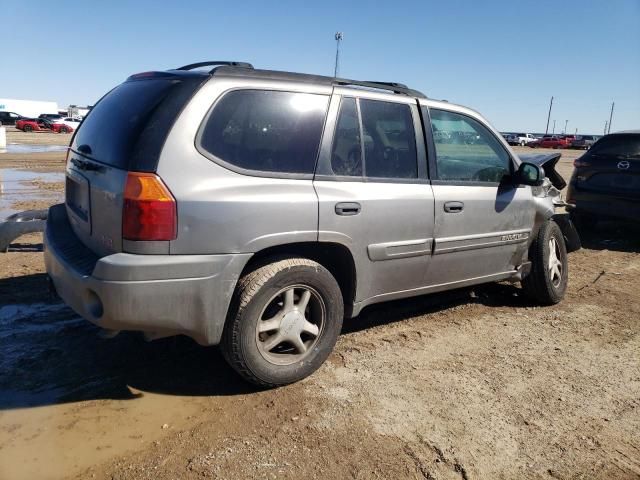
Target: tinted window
x,y
266,131
466,150
115,125
389,140
346,158
617,145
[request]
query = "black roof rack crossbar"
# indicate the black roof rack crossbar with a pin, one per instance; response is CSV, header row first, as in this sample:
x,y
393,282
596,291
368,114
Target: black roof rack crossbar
x,y
214,63
394,87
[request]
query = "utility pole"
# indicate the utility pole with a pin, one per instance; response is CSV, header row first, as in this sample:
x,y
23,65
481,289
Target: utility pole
x,y
554,128
605,127
611,116
549,116
565,126
338,40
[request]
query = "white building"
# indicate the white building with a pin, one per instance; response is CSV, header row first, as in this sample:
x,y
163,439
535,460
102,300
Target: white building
x,y
27,108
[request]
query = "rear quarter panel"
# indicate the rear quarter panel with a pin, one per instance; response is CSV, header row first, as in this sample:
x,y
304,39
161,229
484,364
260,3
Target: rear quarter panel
x,y
221,211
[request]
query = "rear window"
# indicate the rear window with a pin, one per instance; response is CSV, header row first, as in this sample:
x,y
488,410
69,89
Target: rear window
x,y
266,131
617,145
126,128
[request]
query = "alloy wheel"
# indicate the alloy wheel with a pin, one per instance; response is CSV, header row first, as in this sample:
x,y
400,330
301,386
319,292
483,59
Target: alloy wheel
x,y
290,325
554,265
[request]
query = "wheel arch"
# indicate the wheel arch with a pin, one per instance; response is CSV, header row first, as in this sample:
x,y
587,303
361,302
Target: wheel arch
x,y
335,257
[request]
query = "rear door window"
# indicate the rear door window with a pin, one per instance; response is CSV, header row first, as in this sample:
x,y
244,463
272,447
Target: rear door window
x,y
389,140
266,131
346,151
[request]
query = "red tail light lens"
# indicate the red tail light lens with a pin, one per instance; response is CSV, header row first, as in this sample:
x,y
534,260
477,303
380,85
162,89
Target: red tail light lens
x,y
149,211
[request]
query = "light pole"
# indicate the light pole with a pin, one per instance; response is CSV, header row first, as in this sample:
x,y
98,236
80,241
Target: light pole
x,y
565,126
548,116
554,128
611,116
338,38
605,127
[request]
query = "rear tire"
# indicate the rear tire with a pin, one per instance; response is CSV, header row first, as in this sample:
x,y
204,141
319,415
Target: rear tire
x,y
28,128
547,281
283,322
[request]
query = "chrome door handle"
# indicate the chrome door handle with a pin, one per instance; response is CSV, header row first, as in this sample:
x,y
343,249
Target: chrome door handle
x,y
348,208
453,207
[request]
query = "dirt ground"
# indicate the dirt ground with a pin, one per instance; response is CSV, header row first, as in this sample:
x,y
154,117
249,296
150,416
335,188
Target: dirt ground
x,y
472,384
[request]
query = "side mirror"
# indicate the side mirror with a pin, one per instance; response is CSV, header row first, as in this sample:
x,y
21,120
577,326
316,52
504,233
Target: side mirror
x,y
530,174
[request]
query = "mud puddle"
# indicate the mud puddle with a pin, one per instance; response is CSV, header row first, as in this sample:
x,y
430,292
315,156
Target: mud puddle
x,y
22,187
71,399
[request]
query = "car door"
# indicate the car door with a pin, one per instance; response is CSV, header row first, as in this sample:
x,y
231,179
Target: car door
x,y
374,195
482,220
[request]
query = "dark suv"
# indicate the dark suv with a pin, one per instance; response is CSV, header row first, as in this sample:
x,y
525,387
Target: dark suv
x,y
606,180
9,118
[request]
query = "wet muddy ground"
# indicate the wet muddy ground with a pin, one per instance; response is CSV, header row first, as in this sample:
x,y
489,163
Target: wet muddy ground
x,y
476,383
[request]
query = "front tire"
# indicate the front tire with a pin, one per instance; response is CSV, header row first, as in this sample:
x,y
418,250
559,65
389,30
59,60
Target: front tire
x,y
283,322
547,281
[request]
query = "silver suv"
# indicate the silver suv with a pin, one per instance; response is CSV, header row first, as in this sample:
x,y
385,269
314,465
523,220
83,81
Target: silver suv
x,y
256,209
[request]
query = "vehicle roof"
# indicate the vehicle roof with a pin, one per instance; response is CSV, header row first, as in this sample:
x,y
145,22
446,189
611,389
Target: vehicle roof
x,y
250,72
246,70
627,132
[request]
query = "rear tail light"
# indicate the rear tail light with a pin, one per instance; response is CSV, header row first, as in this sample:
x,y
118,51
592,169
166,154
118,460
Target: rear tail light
x,y
149,211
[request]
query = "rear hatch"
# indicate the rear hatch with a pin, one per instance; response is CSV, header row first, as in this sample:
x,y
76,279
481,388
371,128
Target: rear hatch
x,y
125,131
611,166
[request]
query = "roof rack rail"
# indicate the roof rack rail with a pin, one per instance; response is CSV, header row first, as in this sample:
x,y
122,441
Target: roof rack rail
x,y
215,63
392,86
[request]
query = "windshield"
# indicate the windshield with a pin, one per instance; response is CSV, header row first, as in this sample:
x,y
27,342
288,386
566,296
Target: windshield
x,y
127,112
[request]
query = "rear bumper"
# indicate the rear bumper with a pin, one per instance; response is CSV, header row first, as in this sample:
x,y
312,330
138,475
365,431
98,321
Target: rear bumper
x,y
161,295
603,205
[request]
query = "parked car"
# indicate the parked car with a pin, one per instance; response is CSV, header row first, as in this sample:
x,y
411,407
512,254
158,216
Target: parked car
x,y
9,118
521,139
583,142
67,124
552,141
606,180
34,124
59,127
256,209
51,116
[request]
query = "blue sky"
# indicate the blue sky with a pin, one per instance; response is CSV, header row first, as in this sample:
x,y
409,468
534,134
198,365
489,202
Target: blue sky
x,y
503,58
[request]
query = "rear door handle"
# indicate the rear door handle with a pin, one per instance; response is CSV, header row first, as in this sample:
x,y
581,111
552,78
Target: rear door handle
x,y
453,207
348,208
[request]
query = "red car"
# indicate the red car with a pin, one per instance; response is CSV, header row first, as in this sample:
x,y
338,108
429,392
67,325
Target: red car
x,y
41,125
554,141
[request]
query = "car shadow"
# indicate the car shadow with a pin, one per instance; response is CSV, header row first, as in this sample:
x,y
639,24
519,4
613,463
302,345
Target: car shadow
x,y
52,356
610,235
